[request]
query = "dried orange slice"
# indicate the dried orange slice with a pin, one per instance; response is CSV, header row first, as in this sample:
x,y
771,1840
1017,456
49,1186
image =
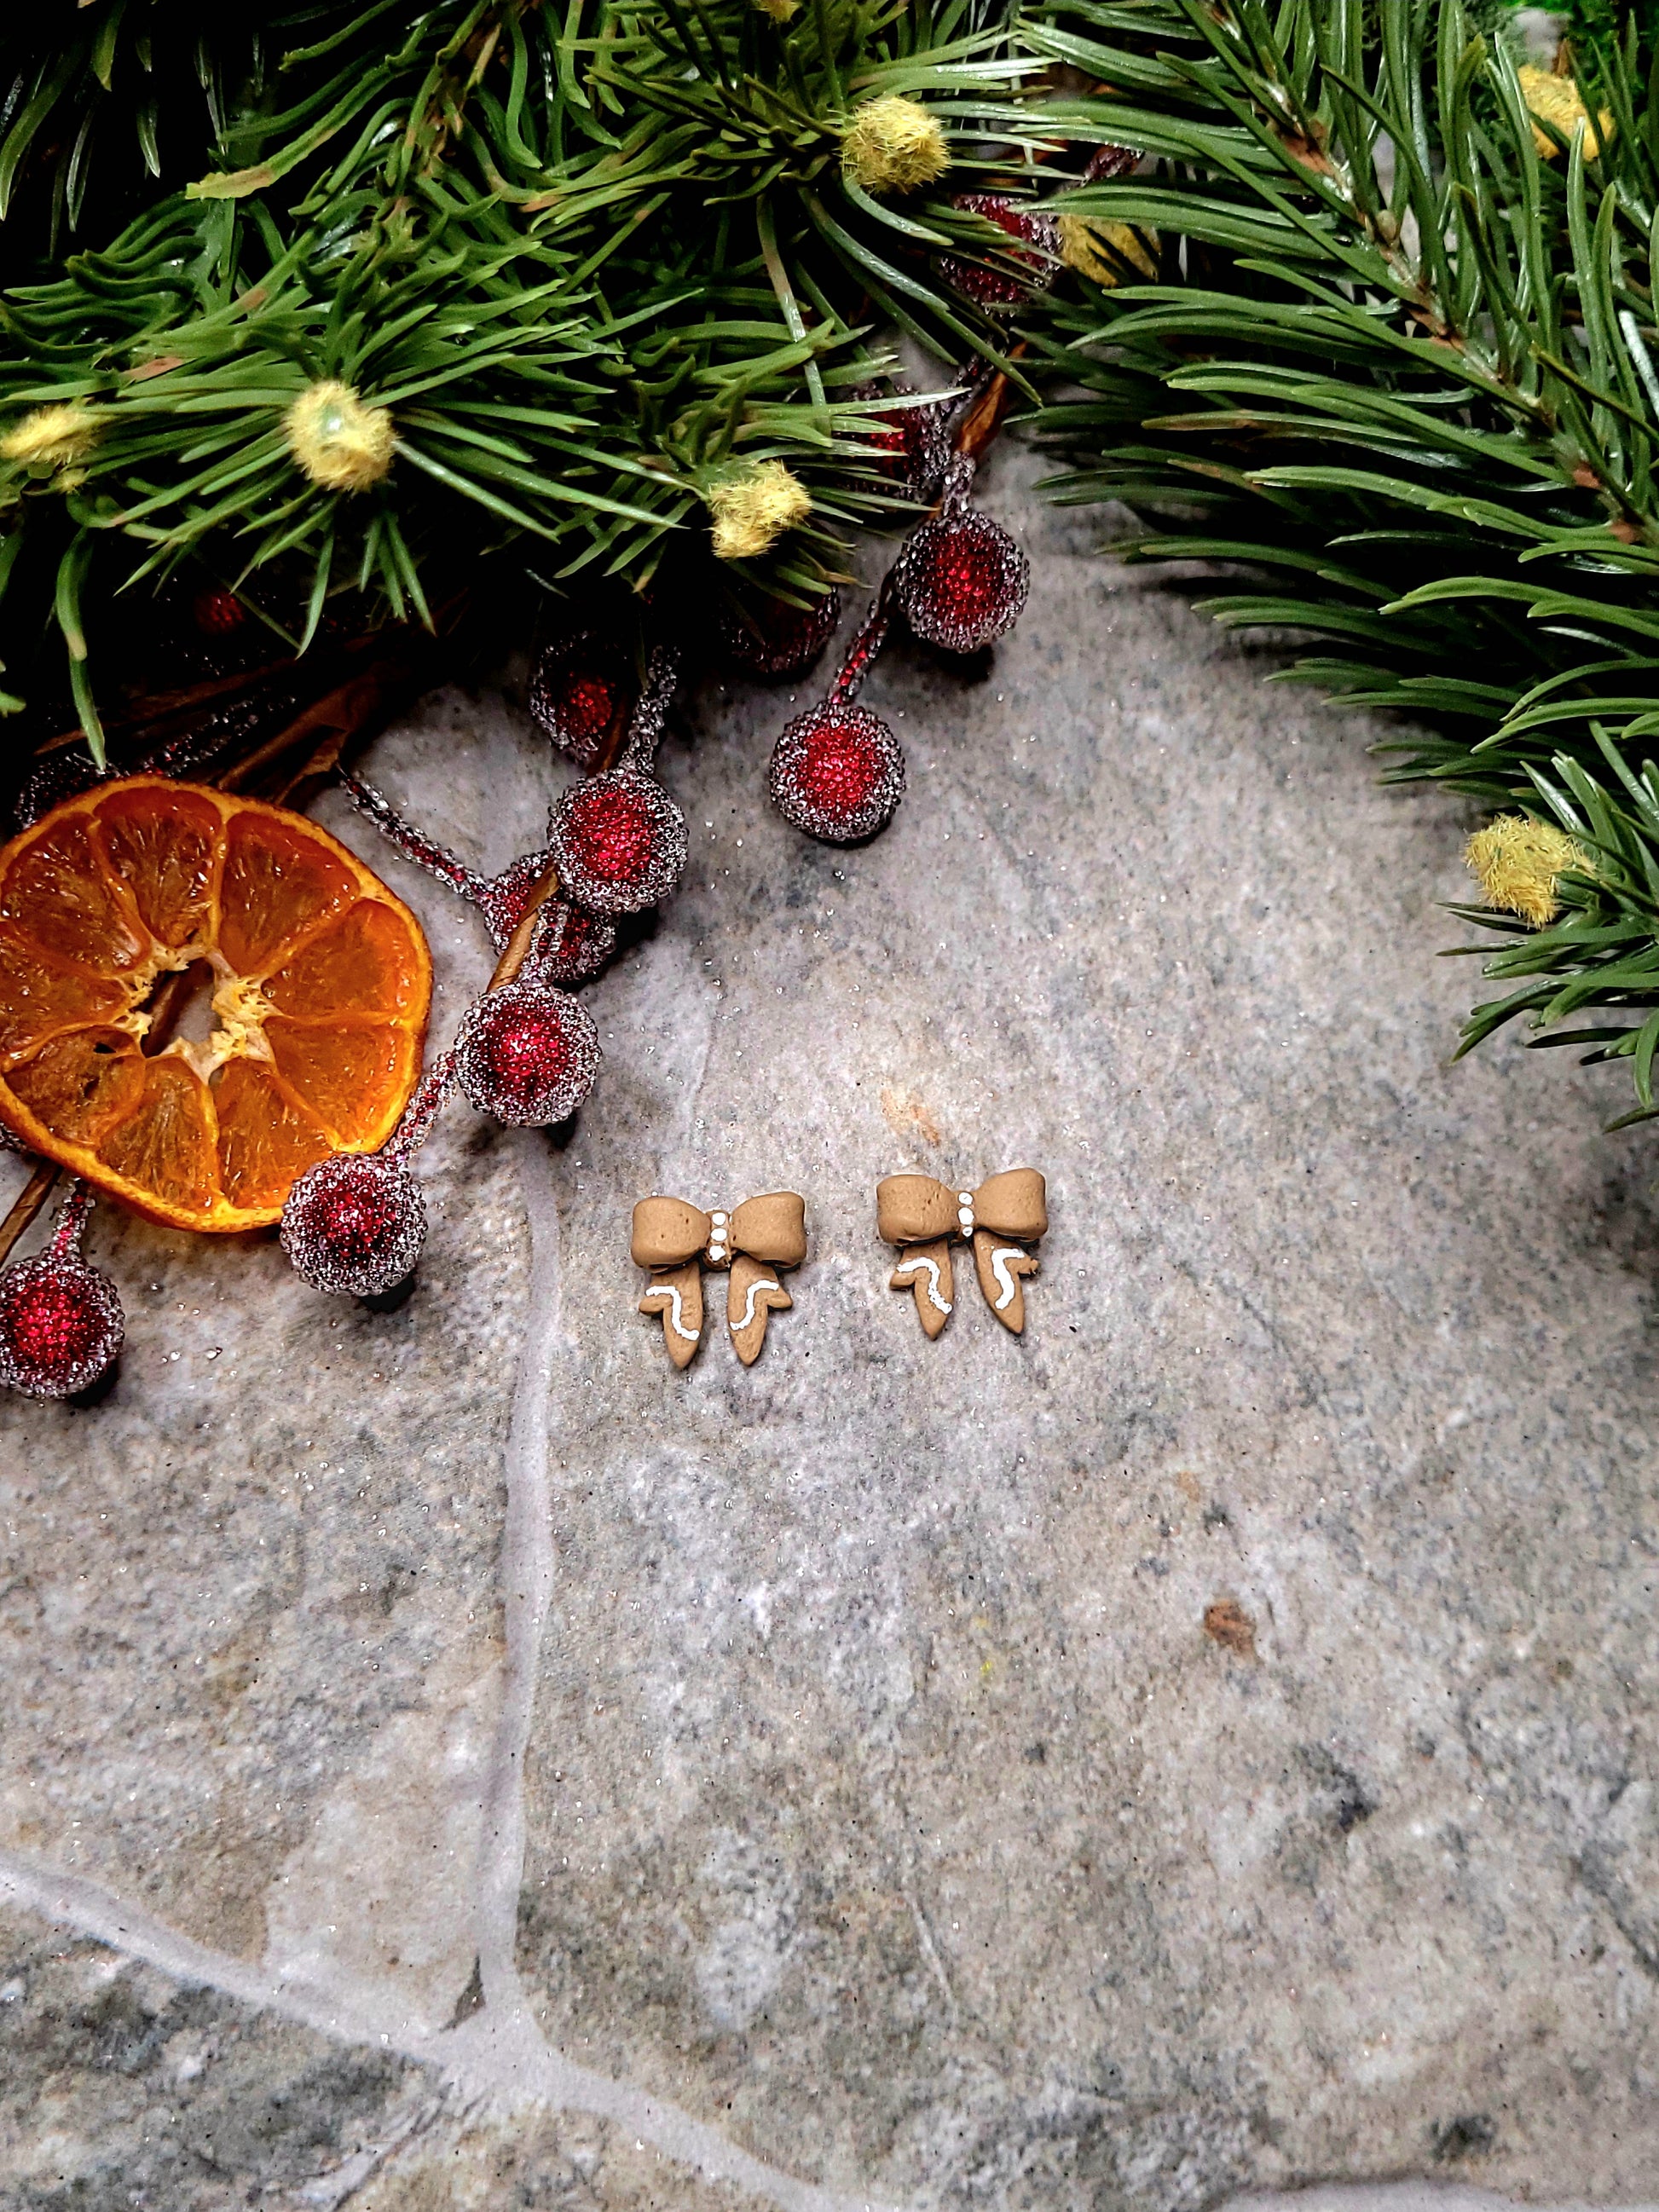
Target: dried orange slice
x,y
320,984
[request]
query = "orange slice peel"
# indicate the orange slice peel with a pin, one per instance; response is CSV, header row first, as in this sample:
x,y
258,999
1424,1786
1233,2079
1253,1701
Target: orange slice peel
x,y
320,984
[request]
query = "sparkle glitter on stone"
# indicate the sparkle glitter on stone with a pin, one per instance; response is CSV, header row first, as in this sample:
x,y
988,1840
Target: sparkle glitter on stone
x,y
837,773
528,1054
961,581
619,843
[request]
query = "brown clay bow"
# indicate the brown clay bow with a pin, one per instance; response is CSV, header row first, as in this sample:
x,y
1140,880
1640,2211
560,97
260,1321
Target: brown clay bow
x,y
677,1241
1005,1214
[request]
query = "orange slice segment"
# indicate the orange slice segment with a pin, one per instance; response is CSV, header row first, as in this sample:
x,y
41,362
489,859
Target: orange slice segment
x,y
164,847
265,1140
39,997
330,1070
320,981
356,964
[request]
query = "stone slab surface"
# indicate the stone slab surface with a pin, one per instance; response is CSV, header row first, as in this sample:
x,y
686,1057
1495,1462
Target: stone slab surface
x,y
1205,1746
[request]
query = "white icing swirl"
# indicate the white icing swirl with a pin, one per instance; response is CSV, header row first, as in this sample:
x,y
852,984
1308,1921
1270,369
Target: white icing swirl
x,y
668,1290
761,1283
1009,1283
907,1271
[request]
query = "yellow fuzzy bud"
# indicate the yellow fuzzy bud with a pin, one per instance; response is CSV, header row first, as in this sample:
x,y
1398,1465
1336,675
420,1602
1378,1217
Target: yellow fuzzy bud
x,y
51,437
752,511
778,10
893,145
1081,240
1560,101
1516,861
338,442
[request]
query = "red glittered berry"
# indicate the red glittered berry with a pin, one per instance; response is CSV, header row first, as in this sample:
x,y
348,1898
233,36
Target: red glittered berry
x,y
961,581
579,692
781,642
354,1225
914,445
1037,254
528,1054
618,841
60,1323
218,614
571,945
837,773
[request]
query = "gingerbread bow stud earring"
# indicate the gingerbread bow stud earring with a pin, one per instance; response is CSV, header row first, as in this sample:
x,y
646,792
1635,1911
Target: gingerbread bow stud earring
x,y
677,1241
1006,1212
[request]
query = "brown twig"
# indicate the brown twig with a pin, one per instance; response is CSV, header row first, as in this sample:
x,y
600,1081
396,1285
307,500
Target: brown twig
x,y
165,706
517,950
614,738
984,419
349,713
28,1202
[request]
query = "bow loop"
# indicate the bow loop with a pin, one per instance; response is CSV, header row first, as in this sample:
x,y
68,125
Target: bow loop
x,y
772,1227
1013,1204
914,1209
667,1233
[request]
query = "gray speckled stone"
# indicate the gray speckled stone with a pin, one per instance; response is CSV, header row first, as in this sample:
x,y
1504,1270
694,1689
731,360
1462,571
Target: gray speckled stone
x,y
1206,1744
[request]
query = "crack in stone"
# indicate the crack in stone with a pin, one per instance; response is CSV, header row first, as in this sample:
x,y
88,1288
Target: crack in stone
x,y
498,2048
497,2055
527,1571
330,2192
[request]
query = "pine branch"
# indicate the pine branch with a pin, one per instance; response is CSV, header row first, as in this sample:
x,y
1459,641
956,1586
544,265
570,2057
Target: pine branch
x,y
1602,953
572,270
1394,381
1386,324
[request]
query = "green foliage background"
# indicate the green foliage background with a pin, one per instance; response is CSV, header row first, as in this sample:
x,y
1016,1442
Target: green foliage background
x,y
593,258
1396,375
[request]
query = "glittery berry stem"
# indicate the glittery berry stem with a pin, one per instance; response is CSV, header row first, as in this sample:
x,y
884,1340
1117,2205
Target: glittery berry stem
x,y
502,901
426,1104
70,1226
958,483
414,844
645,728
870,637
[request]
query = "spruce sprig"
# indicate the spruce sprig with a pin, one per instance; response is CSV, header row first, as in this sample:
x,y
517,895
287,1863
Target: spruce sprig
x,y
1397,361
563,274
1397,377
1602,951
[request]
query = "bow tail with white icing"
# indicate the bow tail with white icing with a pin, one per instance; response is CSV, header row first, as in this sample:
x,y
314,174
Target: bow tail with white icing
x,y
753,1291
926,1269
1000,1264
676,1293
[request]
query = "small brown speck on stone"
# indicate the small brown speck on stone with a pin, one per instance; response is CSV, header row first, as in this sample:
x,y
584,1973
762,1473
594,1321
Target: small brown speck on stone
x,y
1226,1623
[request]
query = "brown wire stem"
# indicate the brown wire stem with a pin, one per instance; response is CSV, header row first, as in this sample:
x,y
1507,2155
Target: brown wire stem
x,y
28,1202
517,949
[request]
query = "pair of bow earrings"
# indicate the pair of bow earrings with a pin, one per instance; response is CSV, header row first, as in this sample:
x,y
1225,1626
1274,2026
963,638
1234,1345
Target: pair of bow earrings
x,y
757,1240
